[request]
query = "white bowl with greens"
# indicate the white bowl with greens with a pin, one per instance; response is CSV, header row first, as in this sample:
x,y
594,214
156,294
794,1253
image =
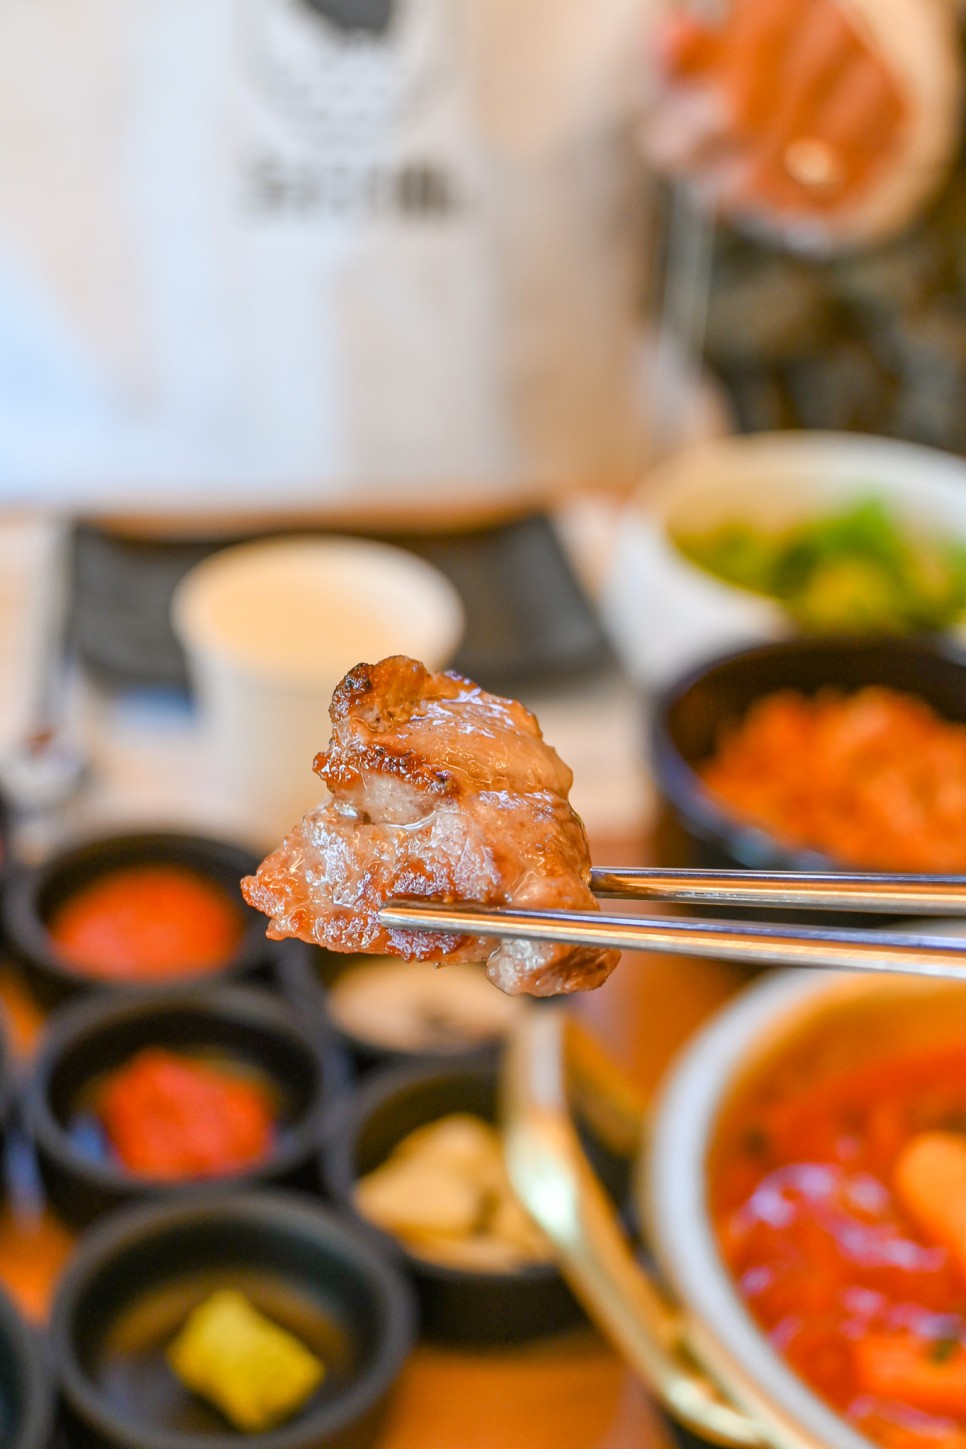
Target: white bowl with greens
x,y
749,539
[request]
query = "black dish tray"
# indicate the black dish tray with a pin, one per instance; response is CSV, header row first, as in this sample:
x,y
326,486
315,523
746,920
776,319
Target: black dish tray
x,y
528,619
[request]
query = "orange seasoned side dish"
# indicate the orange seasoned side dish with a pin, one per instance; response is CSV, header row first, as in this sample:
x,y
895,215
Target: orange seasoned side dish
x,y
876,780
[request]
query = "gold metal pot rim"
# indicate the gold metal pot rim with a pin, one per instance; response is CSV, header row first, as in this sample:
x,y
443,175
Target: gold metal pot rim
x,y
672,1201
688,1334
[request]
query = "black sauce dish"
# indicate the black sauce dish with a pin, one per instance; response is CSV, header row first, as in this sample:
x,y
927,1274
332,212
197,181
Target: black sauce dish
x,y
34,893
312,978
137,1276
689,716
26,1390
5,856
8,1087
457,1305
240,1027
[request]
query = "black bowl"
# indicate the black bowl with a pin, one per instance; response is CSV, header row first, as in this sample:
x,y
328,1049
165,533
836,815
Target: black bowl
x,y
308,975
457,1305
240,1025
26,1391
136,1277
4,839
690,714
33,893
7,1085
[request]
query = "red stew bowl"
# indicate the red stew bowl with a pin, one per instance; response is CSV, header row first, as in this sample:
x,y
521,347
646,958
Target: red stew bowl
x,y
686,1327
34,897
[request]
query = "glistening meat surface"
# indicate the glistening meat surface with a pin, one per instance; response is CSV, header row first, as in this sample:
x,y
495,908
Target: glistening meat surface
x,y
440,791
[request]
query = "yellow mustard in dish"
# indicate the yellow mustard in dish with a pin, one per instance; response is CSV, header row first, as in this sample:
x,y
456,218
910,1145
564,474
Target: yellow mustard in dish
x,y
257,1373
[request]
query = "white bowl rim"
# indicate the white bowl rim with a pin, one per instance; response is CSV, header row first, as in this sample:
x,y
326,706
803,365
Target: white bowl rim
x,y
838,450
450,614
840,455
778,478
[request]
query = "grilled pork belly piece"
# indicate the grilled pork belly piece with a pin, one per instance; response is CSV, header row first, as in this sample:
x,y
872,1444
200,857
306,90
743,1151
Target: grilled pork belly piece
x,y
443,792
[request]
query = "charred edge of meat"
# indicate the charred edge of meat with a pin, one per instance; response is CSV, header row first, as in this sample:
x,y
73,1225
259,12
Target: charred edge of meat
x,y
401,687
338,773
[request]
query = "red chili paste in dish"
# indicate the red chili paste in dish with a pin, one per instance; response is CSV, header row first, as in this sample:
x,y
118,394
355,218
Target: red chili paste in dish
x,y
171,1117
147,922
841,1212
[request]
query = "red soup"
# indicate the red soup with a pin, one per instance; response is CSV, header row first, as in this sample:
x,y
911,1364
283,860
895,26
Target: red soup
x,y
147,922
841,1212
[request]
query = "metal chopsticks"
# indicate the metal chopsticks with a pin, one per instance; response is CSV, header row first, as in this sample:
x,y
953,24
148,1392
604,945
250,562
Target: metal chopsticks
x,y
752,943
895,895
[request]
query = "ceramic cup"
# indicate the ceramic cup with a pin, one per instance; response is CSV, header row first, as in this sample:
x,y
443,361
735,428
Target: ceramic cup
x,y
269,628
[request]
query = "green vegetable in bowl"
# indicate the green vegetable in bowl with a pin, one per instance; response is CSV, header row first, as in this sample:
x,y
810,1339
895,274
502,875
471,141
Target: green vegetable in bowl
x,y
857,569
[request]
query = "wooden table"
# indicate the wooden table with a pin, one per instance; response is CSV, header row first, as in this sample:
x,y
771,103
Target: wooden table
x,y
569,1392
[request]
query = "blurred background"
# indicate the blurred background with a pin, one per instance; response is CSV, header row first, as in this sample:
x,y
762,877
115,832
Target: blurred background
x,y
450,276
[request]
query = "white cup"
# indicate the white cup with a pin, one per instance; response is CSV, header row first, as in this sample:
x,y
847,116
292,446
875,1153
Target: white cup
x,y
269,628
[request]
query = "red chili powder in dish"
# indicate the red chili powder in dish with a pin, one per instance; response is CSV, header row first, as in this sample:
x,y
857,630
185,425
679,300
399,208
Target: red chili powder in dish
x,y
147,922
171,1117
